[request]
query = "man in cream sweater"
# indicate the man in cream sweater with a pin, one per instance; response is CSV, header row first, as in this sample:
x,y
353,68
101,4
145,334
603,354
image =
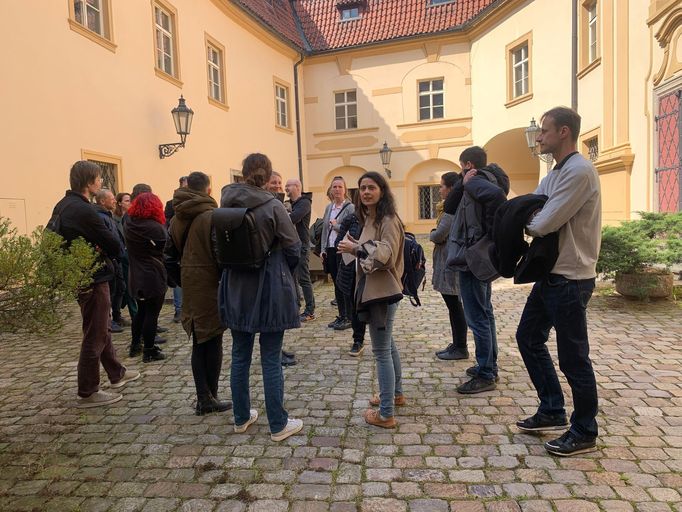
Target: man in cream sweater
x,y
560,300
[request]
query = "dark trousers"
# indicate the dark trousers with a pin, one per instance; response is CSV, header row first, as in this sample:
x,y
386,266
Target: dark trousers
x,y
458,324
145,322
359,327
117,288
96,347
560,303
331,266
207,361
303,277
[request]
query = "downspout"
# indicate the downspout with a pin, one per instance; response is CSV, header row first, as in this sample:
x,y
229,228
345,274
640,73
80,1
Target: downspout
x,y
574,56
298,121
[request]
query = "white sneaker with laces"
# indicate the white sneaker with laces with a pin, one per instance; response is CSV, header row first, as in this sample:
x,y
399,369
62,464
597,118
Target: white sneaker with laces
x,y
293,426
128,376
253,416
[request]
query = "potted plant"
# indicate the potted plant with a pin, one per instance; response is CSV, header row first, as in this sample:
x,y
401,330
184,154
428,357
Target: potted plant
x,y
639,254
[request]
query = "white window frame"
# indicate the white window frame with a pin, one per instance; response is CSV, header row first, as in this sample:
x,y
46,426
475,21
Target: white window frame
x,y
100,9
215,72
592,33
159,34
350,13
430,94
281,105
520,70
345,104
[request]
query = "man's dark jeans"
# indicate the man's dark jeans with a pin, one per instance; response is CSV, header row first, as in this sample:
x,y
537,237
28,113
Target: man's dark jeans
x,y
480,317
207,361
303,276
560,303
95,307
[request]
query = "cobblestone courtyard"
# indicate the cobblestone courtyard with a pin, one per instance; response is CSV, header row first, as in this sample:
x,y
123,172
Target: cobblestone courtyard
x,y
150,452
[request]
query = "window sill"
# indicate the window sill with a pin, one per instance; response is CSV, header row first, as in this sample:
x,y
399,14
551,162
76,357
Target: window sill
x,y
167,77
346,132
284,129
594,64
93,36
520,99
218,104
427,122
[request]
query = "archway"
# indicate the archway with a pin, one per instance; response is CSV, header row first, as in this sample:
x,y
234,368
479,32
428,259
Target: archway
x,y
510,151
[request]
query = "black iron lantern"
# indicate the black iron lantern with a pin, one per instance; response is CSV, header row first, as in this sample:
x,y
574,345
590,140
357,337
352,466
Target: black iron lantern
x,y
182,117
385,154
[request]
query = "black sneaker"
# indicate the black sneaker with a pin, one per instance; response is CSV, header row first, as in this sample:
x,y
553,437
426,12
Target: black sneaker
x,y
160,329
115,327
331,325
357,349
152,354
286,353
343,324
333,302
570,444
135,350
210,405
446,349
158,340
288,361
539,422
472,371
476,385
454,354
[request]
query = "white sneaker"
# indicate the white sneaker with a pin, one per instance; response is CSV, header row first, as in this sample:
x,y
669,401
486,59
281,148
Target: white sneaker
x,y
253,416
293,427
128,376
97,399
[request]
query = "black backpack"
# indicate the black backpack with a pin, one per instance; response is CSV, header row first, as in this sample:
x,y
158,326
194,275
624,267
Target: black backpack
x,y
239,243
414,270
316,237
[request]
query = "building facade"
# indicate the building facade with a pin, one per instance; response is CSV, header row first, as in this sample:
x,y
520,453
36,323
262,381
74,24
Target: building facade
x,y
321,85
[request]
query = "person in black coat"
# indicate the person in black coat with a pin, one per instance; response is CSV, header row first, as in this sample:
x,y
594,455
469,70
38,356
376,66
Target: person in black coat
x,y
345,280
169,212
73,217
145,236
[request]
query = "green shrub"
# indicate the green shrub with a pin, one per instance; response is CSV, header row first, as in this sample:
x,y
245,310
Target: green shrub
x,y
654,241
37,276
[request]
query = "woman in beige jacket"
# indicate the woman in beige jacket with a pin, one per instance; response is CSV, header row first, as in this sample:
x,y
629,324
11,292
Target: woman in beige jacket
x,y
379,253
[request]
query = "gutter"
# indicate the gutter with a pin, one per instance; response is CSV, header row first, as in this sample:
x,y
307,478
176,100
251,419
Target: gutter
x,y
298,122
574,56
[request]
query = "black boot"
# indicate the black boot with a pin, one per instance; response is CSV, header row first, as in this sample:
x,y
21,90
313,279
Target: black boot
x,y
135,349
207,405
152,354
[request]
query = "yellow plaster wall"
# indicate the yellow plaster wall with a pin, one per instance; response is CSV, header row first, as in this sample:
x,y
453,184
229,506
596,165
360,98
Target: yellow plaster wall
x,y
63,93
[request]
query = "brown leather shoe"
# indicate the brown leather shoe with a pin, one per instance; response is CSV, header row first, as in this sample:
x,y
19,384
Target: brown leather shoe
x,y
399,400
374,418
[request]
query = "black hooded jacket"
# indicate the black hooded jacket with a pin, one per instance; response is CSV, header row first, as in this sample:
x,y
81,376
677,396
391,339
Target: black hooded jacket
x,y
300,216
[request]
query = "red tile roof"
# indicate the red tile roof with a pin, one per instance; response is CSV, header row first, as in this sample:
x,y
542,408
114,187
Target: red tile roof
x,y
380,20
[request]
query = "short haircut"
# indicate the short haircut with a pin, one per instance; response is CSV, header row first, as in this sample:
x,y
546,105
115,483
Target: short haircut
x,y
450,179
198,181
564,116
102,194
138,189
476,155
82,174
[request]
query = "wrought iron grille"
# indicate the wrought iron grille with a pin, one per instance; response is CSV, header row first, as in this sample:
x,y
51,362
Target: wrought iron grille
x,y
428,199
669,170
109,175
592,148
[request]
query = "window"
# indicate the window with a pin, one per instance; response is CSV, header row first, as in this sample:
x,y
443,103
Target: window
x,y
592,32
592,148
519,70
346,107
429,195
350,13
92,19
438,2
431,99
282,105
215,66
165,35
111,168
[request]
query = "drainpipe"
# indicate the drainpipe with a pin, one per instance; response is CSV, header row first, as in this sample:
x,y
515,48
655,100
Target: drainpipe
x,y
574,56
298,122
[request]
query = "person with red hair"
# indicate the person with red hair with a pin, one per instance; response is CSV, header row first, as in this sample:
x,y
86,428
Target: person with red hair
x,y
145,235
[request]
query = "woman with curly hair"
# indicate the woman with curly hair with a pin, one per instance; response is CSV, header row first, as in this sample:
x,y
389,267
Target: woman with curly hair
x,y
145,236
379,253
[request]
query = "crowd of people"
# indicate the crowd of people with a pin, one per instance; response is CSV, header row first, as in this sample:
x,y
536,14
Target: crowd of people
x,y
362,249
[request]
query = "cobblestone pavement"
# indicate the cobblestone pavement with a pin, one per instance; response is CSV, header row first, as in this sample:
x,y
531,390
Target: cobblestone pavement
x,y
150,452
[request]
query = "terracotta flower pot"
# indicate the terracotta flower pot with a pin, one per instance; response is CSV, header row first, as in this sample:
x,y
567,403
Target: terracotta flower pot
x,y
648,283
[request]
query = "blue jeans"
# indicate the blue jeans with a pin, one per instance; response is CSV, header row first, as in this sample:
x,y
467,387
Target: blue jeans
x,y
273,378
480,317
389,372
177,298
560,303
